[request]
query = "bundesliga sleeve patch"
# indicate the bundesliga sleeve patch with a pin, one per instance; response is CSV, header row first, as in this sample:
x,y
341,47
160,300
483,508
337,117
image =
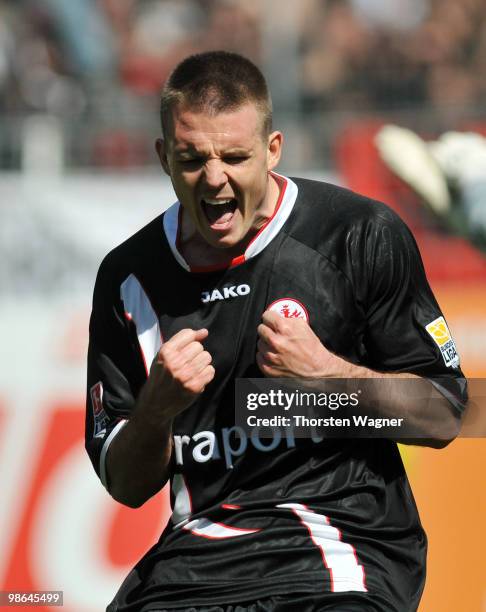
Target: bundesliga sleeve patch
x,y
441,335
99,415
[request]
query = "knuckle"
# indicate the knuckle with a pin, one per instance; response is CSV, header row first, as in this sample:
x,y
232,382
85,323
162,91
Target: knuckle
x,y
179,378
165,367
265,368
193,388
173,367
166,352
273,358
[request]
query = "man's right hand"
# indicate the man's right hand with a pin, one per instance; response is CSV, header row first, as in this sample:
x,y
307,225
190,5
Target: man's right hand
x,y
179,373
138,458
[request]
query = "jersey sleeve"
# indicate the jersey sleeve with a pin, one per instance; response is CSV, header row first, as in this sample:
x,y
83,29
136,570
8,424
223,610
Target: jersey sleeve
x,y
115,369
405,328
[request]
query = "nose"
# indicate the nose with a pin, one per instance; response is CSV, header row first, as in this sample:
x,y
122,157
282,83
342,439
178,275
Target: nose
x,y
214,174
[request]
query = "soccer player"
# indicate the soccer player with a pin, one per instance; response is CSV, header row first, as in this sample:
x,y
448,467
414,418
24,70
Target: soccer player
x,y
253,274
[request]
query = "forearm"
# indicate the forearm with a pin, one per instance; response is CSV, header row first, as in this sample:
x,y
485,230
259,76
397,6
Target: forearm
x,y
425,410
138,460
289,348
139,457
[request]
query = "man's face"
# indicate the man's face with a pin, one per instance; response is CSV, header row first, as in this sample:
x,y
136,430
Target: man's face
x,y
219,166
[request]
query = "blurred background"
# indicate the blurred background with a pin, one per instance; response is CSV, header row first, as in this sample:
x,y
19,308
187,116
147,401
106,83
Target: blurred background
x,y
79,88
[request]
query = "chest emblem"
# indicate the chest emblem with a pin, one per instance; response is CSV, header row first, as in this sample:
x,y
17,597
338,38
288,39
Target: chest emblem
x,y
289,309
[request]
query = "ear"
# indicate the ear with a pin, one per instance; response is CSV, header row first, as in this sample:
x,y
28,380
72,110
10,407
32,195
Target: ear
x,y
161,148
274,149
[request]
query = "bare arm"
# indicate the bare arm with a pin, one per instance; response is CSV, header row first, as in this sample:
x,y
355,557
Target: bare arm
x,y
289,348
138,459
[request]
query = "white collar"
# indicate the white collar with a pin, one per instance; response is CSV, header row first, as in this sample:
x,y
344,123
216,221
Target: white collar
x,y
285,205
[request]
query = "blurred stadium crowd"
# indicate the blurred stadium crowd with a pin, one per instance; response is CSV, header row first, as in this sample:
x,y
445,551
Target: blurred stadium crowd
x,y
98,65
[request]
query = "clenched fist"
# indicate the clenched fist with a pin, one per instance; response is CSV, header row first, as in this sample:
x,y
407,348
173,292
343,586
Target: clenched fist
x,y
179,373
289,348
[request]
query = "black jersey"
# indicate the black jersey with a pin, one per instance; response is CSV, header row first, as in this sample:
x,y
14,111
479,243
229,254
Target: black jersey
x,y
256,517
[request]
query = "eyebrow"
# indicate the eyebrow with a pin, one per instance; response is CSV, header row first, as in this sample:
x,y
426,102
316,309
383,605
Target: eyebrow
x,y
189,150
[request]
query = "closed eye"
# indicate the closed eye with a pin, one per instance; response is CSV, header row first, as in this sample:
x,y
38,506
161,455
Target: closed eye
x,y
235,159
193,161
197,161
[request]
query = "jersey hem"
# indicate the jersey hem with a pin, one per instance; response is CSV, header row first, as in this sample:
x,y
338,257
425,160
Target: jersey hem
x,y
227,594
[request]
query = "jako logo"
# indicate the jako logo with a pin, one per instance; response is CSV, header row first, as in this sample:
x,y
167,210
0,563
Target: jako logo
x,y
225,293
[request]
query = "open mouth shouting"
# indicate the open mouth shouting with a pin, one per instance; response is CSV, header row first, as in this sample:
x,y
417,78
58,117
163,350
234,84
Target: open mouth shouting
x,y
219,212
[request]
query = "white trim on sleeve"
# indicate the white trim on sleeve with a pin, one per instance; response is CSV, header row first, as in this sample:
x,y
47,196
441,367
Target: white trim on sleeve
x,y
115,431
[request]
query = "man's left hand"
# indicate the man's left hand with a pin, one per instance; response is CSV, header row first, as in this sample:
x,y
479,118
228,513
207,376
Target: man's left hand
x,y
289,348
